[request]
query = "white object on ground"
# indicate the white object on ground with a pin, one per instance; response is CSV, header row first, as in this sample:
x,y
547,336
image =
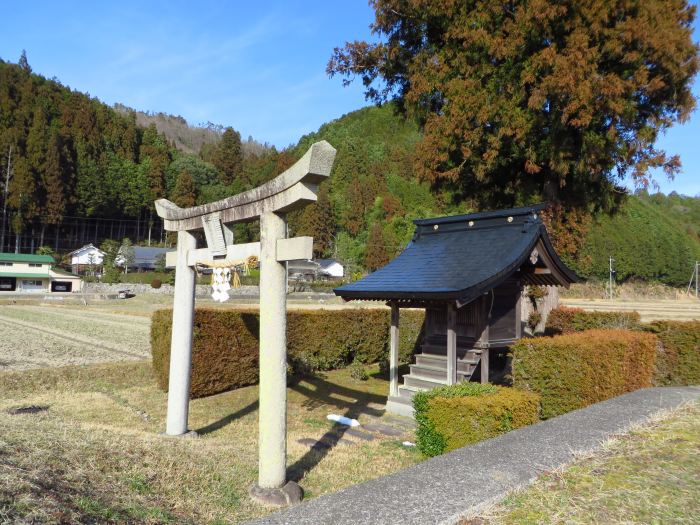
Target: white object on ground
x,y
408,444
344,420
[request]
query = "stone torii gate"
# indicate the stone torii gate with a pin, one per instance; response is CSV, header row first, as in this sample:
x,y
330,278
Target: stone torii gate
x,y
293,189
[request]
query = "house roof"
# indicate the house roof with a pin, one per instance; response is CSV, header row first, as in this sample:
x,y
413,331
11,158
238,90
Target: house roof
x,y
148,254
26,257
87,247
144,255
23,275
327,263
299,265
64,273
461,257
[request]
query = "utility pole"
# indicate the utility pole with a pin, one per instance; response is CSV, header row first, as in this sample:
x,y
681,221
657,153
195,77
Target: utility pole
x,y
696,276
4,200
611,273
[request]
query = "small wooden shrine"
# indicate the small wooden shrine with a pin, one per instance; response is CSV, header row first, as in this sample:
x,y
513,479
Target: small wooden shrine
x,y
468,273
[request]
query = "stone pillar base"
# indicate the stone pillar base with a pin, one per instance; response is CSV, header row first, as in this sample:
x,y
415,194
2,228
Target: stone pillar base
x,y
290,494
190,434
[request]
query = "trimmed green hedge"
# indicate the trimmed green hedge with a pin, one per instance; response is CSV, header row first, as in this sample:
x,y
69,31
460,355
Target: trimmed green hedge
x,y
678,361
454,416
576,370
225,345
565,320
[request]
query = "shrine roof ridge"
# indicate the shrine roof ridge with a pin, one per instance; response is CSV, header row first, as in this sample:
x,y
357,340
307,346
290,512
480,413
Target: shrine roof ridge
x,y
492,214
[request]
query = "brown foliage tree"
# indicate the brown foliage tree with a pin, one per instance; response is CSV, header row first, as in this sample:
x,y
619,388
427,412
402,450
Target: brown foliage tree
x,y
317,220
184,192
567,228
376,254
527,100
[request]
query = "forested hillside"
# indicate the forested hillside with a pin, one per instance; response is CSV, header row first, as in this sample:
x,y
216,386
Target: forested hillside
x,y
188,138
373,195
82,171
652,238
367,205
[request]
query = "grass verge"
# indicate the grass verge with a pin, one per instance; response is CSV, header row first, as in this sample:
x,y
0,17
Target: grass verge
x,y
648,475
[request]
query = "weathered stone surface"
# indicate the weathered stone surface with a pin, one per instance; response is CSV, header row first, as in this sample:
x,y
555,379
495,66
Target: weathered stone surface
x,y
346,442
384,429
181,342
294,188
312,443
358,434
290,494
407,423
190,434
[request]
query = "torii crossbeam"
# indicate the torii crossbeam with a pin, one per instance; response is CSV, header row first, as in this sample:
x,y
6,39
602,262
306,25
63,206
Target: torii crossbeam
x,y
293,189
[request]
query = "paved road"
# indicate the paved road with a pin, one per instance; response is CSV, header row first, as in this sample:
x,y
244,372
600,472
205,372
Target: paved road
x,y
442,489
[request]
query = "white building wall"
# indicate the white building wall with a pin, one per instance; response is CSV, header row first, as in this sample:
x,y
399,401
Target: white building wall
x,y
23,267
82,257
335,270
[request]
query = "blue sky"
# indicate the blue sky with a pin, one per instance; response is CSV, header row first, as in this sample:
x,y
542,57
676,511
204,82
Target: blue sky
x,y
256,66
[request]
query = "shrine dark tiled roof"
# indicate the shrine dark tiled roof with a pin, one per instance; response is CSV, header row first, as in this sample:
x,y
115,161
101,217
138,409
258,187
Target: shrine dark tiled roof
x,y
459,257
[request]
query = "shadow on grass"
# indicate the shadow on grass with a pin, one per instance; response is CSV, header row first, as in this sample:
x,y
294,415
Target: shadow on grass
x,y
226,420
318,392
356,402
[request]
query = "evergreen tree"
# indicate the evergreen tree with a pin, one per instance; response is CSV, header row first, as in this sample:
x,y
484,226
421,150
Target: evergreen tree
x,y
21,196
53,180
155,150
228,156
184,192
23,63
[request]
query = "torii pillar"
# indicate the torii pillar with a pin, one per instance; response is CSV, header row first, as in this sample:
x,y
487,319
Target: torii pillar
x,y
269,203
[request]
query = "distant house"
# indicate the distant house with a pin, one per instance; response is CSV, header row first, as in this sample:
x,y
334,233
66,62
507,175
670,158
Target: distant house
x,y
23,272
331,268
303,270
145,258
85,259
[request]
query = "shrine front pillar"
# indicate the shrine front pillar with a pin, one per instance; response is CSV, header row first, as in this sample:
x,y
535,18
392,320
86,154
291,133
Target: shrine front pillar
x,y
273,355
181,341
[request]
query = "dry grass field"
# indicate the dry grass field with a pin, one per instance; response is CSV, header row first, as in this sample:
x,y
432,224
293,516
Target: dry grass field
x,y
95,454
660,309
36,336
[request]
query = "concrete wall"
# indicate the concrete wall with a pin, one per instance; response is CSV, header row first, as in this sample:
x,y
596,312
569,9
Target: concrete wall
x,y
201,290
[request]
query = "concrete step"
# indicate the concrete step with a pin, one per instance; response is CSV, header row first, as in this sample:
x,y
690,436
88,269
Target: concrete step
x,y
400,405
438,372
422,381
440,350
463,365
407,392
404,400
